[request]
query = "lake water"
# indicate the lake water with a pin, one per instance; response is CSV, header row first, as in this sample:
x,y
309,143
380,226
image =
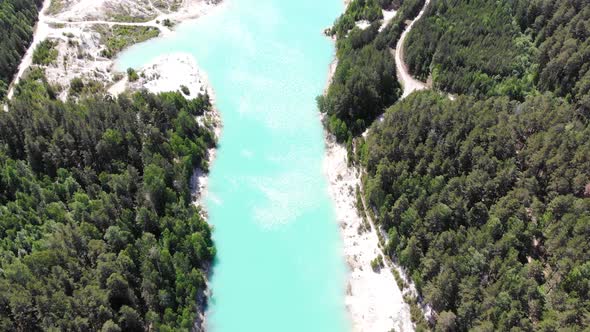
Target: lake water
x,y
279,265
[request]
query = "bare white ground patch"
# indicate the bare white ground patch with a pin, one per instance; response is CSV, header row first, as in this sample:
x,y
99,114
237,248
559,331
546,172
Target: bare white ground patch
x,y
388,15
373,298
124,10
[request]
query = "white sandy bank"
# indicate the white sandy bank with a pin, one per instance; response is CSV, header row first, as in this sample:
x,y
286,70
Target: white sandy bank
x,y
73,25
168,73
373,298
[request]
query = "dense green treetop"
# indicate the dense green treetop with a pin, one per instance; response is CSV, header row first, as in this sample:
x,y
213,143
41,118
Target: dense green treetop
x,y
365,82
97,226
485,199
487,204
17,18
472,47
561,31
491,48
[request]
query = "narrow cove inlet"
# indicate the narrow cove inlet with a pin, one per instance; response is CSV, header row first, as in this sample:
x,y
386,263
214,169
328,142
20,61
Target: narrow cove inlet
x,y
279,264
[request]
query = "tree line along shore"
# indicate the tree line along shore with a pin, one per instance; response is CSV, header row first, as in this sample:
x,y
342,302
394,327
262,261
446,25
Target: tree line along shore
x,y
98,226
483,198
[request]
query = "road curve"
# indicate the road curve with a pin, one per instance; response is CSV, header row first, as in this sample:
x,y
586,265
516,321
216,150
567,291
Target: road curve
x,y
43,29
408,83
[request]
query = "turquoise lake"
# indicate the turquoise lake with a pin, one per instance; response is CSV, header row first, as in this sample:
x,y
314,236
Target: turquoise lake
x,y
279,265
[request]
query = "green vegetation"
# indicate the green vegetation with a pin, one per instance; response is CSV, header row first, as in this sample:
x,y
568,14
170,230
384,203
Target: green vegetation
x,y
398,280
119,37
487,204
80,88
472,47
485,200
377,263
487,48
161,5
45,53
560,29
17,18
185,90
365,82
167,23
97,226
122,17
417,316
363,85
55,7
132,75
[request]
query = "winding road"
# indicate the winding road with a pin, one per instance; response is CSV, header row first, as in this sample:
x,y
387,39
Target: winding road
x,y
408,83
43,30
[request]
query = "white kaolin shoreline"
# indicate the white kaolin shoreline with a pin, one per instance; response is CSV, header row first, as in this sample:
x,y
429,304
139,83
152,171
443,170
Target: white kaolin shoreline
x,y
373,298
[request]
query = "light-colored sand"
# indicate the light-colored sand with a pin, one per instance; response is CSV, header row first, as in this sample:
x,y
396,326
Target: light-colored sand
x,y
373,298
169,72
409,83
120,10
42,30
191,9
388,15
74,28
363,24
78,56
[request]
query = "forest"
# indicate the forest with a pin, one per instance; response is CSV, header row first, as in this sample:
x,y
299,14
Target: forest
x,y
17,18
472,47
98,229
485,199
560,30
486,203
365,81
490,48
